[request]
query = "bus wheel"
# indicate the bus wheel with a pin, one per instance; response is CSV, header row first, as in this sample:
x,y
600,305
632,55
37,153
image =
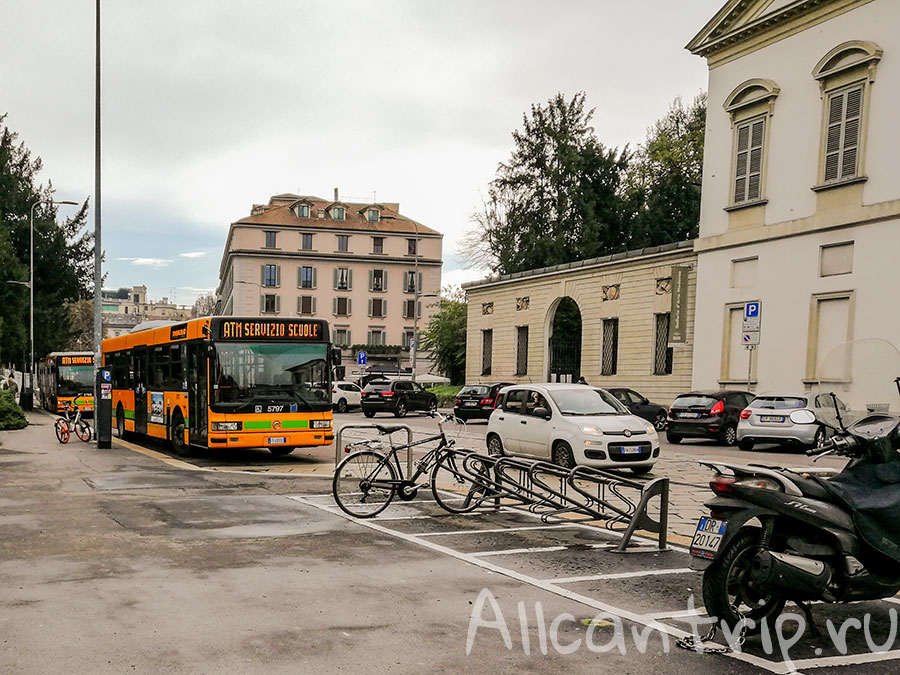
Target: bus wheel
x,y
177,434
120,421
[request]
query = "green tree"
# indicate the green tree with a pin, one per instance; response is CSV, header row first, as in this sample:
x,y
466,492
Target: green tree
x,y
664,177
446,336
557,199
63,254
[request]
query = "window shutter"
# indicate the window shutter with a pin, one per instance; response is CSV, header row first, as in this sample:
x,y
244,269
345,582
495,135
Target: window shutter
x,y
405,310
420,282
262,275
406,282
277,275
756,149
334,304
277,304
370,306
262,304
833,137
419,310
369,337
349,339
384,276
300,305
740,168
300,277
371,279
349,305
313,305
314,277
383,308
335,278
853,117
349,279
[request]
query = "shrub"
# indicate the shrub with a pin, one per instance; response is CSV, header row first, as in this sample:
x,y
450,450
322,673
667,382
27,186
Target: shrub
x,y
11,415
446,394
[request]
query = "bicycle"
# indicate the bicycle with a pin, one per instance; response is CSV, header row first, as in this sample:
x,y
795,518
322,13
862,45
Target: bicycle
x,y
64,424
367,480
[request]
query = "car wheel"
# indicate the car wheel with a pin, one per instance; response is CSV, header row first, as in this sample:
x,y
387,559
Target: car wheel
x,y
820,437
342,405
562,455
729,435
400,410
369,413
432,407
495,446
745,444
641,470
660,422
672,438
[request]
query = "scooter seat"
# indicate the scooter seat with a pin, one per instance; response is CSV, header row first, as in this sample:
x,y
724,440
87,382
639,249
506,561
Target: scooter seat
x,y
811,488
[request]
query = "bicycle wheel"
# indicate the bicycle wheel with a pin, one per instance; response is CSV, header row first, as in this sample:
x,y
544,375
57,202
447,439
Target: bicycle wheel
x,y
83,431
364,484
459,486
61,427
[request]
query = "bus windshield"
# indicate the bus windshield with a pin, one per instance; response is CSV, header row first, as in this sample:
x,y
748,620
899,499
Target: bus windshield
x,y
75,380
249,374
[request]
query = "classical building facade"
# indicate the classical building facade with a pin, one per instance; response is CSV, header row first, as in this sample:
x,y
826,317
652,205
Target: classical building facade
x,y
125,308
371,272
801,197
620,320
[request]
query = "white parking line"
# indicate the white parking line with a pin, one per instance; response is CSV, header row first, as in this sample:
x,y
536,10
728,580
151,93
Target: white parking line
x,y
495,530
620,575
682,614
517,551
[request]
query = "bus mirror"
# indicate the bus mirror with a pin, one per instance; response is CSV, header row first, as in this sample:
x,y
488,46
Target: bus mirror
x,y
210,349
335,356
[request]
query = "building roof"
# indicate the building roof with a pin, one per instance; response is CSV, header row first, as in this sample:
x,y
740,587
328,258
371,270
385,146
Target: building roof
x,y
280,212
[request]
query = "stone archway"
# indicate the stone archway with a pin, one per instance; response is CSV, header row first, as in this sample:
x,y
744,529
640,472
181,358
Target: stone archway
x,y
565,341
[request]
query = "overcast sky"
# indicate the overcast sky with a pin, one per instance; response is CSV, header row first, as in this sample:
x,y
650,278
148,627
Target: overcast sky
x,y
210,106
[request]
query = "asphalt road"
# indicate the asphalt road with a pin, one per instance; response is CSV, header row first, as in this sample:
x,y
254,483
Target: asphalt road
x,y
131,560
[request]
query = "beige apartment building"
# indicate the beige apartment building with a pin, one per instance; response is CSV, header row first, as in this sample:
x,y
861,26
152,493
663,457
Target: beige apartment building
x,y
365,268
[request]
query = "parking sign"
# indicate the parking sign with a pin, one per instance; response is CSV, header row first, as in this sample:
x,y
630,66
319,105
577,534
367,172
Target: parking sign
x,y
361,358
752,317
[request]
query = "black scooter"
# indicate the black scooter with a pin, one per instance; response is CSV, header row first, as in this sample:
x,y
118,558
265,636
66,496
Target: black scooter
x,y
775,535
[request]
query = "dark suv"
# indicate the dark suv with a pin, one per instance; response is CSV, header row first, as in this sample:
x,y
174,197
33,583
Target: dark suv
x,y
477,401
707,414
397,397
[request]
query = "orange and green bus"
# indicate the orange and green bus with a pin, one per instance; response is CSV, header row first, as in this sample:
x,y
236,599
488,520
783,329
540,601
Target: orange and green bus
x,y
224,382
64,377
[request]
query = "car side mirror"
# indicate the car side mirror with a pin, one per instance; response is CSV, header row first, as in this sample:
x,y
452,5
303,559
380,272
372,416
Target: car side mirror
x,y
802,417
542,413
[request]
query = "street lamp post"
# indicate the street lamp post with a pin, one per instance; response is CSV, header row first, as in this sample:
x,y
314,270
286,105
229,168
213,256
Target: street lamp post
x,y
47,202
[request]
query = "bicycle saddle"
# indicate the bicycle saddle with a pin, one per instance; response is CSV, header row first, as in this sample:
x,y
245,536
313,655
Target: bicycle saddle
x,y
386,430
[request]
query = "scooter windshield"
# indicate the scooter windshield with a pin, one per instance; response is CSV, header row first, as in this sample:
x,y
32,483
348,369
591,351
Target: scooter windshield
x,y
855,379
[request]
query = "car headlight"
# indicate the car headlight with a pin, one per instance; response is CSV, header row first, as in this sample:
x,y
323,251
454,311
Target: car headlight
x,y
650,428
227,426
591,430
321,424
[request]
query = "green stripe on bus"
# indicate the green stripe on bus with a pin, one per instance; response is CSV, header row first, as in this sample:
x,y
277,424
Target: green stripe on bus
x,y
257,425
129,414
295,424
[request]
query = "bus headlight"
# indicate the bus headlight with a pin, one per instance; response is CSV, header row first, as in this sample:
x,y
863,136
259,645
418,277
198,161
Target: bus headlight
x,y
227,426
320,424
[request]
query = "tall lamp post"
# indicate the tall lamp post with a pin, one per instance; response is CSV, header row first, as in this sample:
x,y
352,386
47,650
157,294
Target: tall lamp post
x,y
46,202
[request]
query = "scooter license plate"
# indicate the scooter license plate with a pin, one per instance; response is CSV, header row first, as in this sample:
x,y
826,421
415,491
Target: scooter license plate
x,y
708,537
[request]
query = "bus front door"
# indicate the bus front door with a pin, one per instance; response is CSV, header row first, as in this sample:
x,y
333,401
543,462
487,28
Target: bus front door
x,y
198,394
140,390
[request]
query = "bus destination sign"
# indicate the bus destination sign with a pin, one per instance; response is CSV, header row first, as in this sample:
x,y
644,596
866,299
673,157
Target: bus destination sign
x,y
269,329
178,332
76,360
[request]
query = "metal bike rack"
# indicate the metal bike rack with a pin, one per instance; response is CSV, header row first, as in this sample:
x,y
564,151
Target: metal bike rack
x,y
562,495
338,447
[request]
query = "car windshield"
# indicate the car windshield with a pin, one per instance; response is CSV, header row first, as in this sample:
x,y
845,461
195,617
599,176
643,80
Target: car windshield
x,y
778,402
586,401
694,401
477,390
74,380
259,373
378,386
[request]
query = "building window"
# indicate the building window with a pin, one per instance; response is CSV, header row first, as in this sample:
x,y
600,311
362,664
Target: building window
x,y
342,307
748,161
377,244
343,243
409,309
306,242
412,247
377,280
270,304
744,272
842,134
376,336
408,338
270,239
271,276
610,364
343,278
377,307
303,211
307,277
372,215
306,304
487,349
409,281
521,350
342,337
337,213
836,259
662,358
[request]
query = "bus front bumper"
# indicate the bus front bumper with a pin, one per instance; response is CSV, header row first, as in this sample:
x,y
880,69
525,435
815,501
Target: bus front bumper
x,y
270,438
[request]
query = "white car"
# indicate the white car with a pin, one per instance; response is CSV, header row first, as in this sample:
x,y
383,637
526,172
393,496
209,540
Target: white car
x,y
571,424
345,395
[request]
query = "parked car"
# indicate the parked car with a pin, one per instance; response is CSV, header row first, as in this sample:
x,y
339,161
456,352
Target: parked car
x,y
397,397
639,405
707,414
477,401
345,395
767,419
571,424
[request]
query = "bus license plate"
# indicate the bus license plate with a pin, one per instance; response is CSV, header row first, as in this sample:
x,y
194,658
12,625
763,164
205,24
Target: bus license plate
x,y
277,440
708,537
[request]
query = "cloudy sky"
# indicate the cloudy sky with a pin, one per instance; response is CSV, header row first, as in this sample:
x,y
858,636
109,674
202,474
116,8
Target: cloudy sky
x,y
210,106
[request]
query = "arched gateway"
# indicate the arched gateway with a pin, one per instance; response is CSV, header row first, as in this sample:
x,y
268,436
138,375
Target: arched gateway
x,y
564,341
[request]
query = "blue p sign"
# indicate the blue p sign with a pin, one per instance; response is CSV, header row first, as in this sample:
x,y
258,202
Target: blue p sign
x,y
751,309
